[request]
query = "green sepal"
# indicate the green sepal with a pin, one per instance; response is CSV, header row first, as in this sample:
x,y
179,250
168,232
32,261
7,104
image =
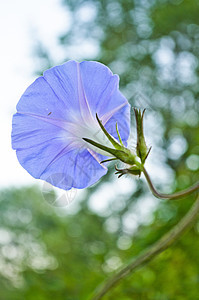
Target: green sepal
x,y
134,170
113,141
148,153
119,137
102,147
107,160
125,155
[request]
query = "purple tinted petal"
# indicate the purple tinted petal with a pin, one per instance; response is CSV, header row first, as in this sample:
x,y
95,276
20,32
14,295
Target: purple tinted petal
x,y
39,99
87,170
83,102
111,109
29,132
78,169
64,81
122,118
38,143
37,158
101,88
43,151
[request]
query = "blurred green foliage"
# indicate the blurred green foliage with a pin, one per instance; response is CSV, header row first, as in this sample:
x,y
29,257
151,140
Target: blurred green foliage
x,y
48,252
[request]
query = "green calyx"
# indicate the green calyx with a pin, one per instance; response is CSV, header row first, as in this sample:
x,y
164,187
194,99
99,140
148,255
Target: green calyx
x,y
134,170
120,152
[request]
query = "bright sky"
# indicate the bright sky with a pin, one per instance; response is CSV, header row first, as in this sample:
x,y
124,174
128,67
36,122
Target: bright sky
x,y
21,23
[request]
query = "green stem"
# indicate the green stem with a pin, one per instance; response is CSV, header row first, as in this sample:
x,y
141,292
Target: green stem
x,y
162,244
174,196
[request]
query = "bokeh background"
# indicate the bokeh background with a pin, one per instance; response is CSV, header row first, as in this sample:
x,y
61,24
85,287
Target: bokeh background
x,y
50,249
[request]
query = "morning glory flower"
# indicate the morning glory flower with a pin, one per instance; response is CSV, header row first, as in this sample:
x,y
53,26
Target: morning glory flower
x,y
57,111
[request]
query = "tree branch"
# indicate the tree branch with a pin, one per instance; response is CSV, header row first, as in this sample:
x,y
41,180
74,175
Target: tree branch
x,y
162,244
174,196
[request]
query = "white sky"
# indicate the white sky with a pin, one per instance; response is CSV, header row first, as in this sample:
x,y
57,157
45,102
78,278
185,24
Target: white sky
x,y
20,22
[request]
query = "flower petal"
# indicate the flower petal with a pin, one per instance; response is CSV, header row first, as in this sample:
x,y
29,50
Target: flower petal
x,y
122,118
57,111
28,132
45,153
65,82
40,99
77,169
101,88
37,158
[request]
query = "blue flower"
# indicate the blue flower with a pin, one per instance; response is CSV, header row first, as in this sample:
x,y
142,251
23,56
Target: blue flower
x,y
57,111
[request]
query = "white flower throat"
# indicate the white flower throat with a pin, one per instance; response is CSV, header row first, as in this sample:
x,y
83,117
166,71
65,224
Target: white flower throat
x,y
92,131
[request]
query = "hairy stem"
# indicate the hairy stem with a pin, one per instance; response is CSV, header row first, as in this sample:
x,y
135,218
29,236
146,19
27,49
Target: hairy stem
x,y
174,196
162,244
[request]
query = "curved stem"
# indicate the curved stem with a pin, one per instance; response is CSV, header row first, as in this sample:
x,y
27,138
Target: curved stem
x,y
162,244
174,196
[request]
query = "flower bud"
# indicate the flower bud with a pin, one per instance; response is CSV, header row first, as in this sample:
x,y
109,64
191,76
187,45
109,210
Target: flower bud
x,y
141,149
